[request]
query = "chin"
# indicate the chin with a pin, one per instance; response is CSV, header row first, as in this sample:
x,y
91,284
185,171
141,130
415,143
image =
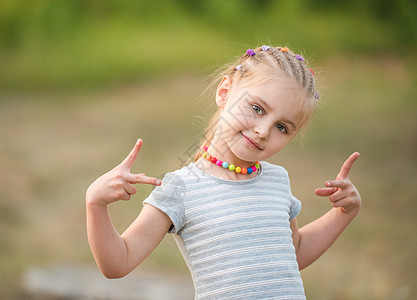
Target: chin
x,y
245,156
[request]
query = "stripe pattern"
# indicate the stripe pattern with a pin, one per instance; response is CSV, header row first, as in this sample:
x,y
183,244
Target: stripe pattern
x,y
235,236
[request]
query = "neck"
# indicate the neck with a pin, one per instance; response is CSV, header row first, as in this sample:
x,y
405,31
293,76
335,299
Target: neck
x,y
216,171
215,165
223,153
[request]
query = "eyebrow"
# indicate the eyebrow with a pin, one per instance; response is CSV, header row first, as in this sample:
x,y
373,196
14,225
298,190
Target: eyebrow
x,y
257,98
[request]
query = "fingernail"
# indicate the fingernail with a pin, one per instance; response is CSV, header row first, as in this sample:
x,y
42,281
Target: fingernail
x,y
158,182
327,183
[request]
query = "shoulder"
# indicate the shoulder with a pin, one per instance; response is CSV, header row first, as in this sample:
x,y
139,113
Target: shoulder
x,y
275,173
181,178
272,169
187,173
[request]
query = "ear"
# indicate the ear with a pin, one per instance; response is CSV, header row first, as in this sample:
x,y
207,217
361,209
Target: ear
x,y
222,91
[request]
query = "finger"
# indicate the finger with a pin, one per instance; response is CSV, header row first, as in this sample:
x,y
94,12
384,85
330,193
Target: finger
x,y
324,192
341,184
341,202
130,159
125,196
338,196
344,171
142,178
346,203
130,189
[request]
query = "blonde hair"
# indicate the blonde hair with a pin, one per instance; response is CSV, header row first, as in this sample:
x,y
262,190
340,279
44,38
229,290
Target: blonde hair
x,y
263,65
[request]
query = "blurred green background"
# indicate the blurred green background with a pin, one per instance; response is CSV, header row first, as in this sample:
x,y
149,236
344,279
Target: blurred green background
x,y
80,81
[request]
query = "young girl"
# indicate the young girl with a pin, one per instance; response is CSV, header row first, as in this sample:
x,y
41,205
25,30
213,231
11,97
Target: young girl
x,y
232,214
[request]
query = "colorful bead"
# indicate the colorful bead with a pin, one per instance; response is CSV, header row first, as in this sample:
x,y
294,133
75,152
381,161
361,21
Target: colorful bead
x,y
284,49
250,52
299,57
231,167
265,47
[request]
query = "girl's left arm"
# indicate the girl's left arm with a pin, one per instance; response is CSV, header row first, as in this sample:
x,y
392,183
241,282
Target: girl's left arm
x,y
313,239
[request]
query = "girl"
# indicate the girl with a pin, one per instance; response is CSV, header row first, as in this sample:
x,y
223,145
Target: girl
x,y
232,214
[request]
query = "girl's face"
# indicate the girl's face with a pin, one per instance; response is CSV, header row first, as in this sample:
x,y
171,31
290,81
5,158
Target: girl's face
x,y
257,121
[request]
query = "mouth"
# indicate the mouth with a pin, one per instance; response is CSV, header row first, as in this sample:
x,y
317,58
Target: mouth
x,y
251,142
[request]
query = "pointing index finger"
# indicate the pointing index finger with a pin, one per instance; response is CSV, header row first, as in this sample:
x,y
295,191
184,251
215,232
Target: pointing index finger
x,y
344,171
143,179
130,159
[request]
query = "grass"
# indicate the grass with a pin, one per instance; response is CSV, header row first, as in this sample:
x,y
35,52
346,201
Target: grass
x,y
61,45
56,143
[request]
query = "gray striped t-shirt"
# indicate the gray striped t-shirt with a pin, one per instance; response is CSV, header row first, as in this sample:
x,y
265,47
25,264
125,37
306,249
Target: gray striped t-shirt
x,y
235,236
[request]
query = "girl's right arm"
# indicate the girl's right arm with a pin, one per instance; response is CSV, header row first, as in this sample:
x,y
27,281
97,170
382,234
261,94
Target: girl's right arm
x,y
116,255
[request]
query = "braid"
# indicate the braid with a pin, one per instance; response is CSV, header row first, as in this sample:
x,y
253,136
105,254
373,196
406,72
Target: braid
x,y
281,59
303,73
289,57
283,64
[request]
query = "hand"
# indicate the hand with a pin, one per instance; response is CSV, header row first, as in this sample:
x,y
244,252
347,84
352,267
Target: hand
x,y
117,184
341,192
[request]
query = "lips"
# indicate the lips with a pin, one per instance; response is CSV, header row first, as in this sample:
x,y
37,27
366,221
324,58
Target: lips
x,y
251,141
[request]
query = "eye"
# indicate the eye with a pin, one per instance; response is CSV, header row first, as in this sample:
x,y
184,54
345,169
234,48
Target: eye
x,y
281,128
257,109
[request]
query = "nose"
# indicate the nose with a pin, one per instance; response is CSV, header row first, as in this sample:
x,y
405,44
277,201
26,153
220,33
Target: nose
x,y
262,131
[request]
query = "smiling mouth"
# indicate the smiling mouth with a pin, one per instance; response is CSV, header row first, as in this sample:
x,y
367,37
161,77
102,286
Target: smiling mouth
x,y
252,142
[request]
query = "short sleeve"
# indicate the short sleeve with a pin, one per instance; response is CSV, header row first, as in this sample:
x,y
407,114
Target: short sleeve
x,y
168,198
295,207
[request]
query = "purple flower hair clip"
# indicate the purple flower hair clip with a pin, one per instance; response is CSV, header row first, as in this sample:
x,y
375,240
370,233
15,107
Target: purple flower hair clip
x,y
299,57
250,52
317,96
238,67
265,47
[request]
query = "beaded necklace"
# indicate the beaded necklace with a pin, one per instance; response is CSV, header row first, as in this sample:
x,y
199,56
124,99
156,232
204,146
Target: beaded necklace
x,y
231,167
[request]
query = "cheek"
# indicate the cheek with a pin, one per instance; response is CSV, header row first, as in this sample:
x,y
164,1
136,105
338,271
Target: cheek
x,y
280,141
238,117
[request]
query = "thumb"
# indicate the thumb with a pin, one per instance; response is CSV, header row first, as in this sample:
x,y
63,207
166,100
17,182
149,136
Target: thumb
x,y
130,159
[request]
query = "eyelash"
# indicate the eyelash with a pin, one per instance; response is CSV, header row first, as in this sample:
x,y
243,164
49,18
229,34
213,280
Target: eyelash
x,y
259,110
284,129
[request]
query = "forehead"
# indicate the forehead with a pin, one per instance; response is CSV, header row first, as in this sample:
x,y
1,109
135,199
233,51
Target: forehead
x,y
266,77
276,87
